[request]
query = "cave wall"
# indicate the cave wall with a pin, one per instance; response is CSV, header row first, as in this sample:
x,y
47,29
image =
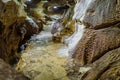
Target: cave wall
x,y
15,28
11,12
99,46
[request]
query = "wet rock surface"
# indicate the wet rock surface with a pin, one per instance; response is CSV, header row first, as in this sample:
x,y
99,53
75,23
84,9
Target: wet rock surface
x,y
14,29
95,43
99,46
11,12
98,13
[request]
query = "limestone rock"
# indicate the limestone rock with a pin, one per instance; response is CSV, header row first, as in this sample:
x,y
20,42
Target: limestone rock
x,y
11,11
99,47
7,73
10,39
97,13
112,73
105,68
14,29
95,43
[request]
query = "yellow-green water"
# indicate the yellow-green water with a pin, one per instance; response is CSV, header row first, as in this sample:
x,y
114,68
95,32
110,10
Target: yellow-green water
x,y
44,59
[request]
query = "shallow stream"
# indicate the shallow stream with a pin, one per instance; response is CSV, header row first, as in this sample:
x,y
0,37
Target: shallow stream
x,y
43,59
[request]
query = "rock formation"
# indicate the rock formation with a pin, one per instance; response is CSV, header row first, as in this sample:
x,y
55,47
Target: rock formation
x,y
11,13
97,14
105,68
95,43
99,46
8,73
14,27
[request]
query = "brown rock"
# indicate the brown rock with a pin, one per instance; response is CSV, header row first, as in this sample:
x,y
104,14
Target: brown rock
x,y
95,43
8,73
13,29
105,68
56,39
113,73
11,11
9,40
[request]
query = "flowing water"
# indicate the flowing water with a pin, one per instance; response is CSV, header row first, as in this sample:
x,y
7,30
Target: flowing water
x,y
45,60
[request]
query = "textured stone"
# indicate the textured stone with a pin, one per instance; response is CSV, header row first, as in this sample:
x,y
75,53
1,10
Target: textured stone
x,y
98,13
105,68
99,47
113,73
8,73
14,29
11,11
95,43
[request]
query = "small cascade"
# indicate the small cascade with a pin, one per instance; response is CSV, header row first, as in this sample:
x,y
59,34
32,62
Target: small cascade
x,y
73,40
